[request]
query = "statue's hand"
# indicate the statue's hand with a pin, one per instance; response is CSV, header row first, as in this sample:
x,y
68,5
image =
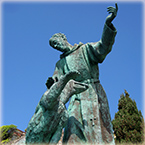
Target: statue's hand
x,y
113,14
113,10
79,87
71,88
76,87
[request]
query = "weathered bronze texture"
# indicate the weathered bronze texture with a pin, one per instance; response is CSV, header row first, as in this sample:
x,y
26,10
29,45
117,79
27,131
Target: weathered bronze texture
x,y
89,117
77,76
51,115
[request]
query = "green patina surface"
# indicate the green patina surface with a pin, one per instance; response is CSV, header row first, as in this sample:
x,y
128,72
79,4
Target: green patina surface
x,y
50,115
88,119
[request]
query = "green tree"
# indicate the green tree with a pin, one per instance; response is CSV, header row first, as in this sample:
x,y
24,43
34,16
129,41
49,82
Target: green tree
x,y
6,132
128,123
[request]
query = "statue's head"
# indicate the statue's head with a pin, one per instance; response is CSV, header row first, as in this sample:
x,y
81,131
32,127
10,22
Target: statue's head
x,y
59,41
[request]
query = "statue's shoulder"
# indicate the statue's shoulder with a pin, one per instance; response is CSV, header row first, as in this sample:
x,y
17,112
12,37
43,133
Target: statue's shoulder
x,y
77,46
68,53
80,44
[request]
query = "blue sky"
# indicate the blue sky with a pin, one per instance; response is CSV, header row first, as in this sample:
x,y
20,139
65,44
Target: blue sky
x,y
28,60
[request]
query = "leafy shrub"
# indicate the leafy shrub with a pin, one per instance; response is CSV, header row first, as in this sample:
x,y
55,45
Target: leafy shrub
x,y
6,132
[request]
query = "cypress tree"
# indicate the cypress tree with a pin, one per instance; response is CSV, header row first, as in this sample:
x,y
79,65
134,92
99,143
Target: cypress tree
x,y
128,123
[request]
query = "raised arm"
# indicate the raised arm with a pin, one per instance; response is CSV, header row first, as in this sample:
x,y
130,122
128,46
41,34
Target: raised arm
x,y
99,50
109,31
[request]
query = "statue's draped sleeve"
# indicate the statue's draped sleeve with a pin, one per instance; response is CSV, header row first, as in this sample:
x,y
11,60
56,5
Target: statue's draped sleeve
x,y
97,51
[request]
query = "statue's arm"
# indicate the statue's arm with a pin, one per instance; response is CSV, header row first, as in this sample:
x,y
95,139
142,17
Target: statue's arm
x,y
109,31
51,97
100,49
71,88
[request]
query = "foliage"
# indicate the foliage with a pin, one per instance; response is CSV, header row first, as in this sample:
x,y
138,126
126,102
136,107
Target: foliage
x,y
128,124
6,132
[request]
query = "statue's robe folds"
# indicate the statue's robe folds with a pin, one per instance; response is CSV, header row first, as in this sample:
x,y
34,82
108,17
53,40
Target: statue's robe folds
x,y
89,117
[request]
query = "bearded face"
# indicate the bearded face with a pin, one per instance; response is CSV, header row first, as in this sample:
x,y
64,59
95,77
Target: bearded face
x,y
59,41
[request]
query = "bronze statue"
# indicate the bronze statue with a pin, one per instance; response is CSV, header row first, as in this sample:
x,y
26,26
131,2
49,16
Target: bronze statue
x,y
76,76
89,117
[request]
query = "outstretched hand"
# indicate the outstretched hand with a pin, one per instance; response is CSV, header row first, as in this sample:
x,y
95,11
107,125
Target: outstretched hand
x,y
113,11
79,87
